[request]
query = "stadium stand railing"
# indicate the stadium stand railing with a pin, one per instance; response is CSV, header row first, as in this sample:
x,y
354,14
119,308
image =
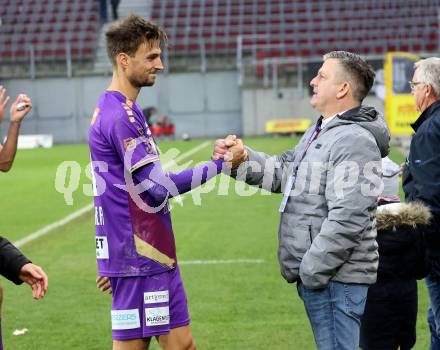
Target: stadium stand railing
x,y
262,29
303,28
222,32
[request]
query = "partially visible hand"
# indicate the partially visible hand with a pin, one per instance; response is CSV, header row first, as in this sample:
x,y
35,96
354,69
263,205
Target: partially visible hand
x,y
35,277
3,102
236,154
103,284
221,146
17,116
402,168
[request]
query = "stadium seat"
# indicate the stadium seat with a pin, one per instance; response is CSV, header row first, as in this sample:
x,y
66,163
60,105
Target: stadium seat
x,y
42,22
372,27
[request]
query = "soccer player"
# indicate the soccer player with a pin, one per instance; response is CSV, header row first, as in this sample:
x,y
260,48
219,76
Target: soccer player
x,y
135,244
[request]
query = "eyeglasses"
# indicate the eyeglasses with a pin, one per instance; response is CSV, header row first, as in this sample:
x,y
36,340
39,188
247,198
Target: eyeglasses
x,y
413,84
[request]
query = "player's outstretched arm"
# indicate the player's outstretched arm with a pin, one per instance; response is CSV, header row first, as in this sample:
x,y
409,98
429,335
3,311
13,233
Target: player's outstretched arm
x,y
36,278
21,106
161,185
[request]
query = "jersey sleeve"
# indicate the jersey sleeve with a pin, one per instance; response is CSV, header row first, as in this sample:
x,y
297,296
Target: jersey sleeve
x,y
132,143
161,185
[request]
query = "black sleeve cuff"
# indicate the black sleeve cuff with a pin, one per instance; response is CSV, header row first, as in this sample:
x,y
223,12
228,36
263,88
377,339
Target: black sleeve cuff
x,y
11,261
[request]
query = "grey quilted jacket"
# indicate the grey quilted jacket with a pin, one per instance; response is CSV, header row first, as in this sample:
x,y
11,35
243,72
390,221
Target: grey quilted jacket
x,y
327,229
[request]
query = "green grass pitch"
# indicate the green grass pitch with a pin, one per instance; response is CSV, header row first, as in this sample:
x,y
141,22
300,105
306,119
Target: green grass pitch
x,y
232,307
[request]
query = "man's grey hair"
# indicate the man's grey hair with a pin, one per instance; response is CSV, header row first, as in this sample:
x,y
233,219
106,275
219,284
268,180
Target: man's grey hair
x,y
360,74
428,72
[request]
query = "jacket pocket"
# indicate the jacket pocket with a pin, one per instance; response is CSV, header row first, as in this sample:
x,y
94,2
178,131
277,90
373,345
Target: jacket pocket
x,y
294,242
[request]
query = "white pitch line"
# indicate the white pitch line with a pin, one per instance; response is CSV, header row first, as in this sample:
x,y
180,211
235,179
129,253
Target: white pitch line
x,y
219,262
44,230
54,225
187,154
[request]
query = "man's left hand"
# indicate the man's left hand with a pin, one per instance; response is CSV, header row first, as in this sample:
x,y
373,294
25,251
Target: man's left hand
x,y
36,278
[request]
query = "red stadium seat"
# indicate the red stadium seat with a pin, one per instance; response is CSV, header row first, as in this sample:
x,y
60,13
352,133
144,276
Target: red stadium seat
x,y
316,26
45,24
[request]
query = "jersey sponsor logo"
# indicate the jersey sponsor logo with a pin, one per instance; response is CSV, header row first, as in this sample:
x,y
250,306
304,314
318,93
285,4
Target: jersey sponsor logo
x,y
156,297
125,319
157,316
101,247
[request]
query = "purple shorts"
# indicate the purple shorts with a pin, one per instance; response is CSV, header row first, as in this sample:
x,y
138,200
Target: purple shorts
x,y
147,306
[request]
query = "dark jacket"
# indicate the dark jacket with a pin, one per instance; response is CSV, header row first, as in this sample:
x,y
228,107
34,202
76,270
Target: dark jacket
x,y
402,248
421,176
389,320
11,261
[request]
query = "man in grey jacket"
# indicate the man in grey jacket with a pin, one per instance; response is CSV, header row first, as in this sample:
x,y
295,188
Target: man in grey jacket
x,y
330,182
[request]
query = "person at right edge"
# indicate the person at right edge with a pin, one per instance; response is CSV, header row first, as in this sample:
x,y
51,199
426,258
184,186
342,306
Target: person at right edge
x,y
421,175
390,317
331,181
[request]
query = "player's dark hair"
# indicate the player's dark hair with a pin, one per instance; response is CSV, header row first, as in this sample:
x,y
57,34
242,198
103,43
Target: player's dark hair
x,y
128,34
360,74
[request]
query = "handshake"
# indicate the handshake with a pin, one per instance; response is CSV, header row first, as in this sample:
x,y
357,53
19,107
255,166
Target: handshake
x,y
231,149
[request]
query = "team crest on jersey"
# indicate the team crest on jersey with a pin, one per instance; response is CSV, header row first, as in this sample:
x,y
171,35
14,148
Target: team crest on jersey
x,y
130,144
95,115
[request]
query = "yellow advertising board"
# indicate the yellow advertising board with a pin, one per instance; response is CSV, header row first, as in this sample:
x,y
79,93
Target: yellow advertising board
x,y
287,126
400,109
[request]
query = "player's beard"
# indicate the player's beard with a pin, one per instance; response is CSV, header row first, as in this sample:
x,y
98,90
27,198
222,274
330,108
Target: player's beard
x,y
139,83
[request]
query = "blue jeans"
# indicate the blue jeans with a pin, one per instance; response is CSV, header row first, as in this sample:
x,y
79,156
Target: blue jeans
x,y
433,284
335,314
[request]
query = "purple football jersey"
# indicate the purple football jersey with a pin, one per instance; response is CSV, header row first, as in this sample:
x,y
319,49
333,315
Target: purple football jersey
x,y
129,240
